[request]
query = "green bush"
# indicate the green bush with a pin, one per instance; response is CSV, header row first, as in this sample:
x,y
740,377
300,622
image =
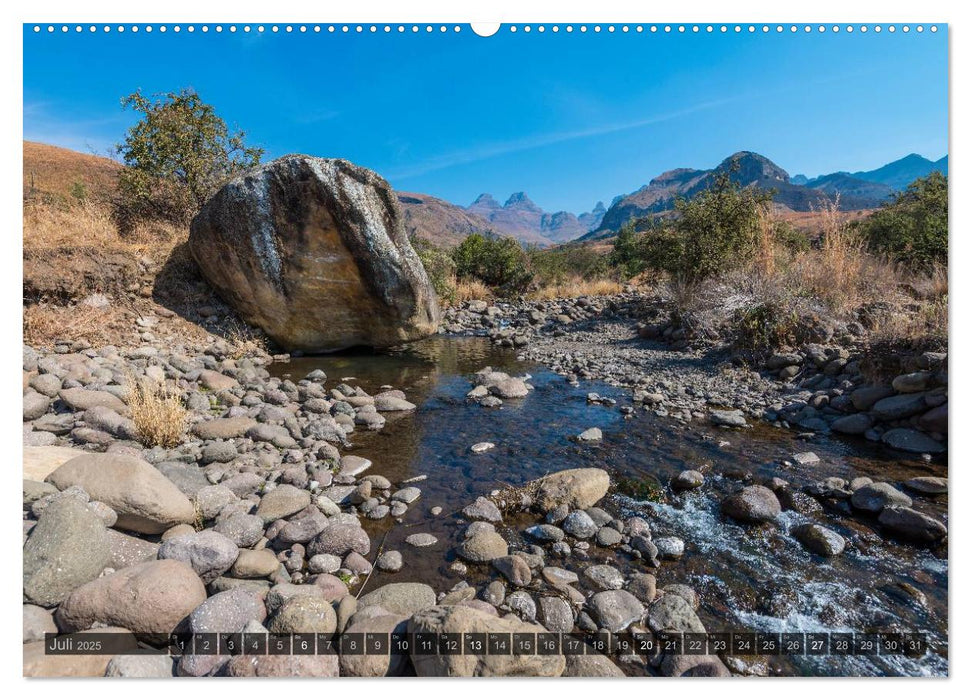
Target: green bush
x,y
713,232
629,253
439,266
500,263
176,156
912,229
566,262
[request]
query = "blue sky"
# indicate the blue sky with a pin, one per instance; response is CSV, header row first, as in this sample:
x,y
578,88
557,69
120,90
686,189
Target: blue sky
x,y
568,118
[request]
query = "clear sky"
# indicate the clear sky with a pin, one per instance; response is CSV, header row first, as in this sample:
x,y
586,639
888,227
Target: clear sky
x,y
568,118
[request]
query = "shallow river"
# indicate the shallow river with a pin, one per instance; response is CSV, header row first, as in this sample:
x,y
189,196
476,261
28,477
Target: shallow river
x,y
749,579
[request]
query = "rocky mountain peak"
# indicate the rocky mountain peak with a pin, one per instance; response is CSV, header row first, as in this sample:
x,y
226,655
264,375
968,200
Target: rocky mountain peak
x,y
519,200
485,201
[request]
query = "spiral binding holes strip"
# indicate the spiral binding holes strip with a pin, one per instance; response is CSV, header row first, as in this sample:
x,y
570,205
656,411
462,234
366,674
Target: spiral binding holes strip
x,y
512,28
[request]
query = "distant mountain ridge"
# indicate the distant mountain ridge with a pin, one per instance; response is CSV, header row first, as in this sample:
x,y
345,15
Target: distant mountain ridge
x,y
523,219
856,191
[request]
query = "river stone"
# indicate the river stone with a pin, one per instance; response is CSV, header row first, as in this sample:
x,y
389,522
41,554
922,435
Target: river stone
x,y
390,561
753,504
126,550
352,465
873,498
522,603
282,502
819,540
150,599
323,564
643,587
556,614
140,666
669,547
209,553
514,568
67,548
615,610
35,405
46,384
928,485
672,613
79,399
409,494
855,424
579,525
484,546
865,397
389,402
375,665
557,577
304,614
693,665
277,240
544,532
283,666
461,619
244,529
609,537
212,499
399,598
730,418
510,388
577,489
258,563
223,428
35,490
144,499
591,435
900,406
483,509
604,577
688,479
912,441
421,539
591,665
910,524
37,623
339,539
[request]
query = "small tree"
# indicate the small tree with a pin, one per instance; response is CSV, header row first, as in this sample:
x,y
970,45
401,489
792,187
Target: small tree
x,y
176,156
716,230
628,252
499,262
912,229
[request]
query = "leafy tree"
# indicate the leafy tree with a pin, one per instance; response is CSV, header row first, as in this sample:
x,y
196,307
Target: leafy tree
x,y
716,230
498,262
176,156
912,229
438,265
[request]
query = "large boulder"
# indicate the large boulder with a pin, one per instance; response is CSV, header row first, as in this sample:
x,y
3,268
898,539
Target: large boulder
x,y
399,598
150,599
314,252
144,499
67,548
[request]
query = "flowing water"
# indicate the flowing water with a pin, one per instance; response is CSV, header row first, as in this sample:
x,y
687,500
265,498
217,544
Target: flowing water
x,y
750,579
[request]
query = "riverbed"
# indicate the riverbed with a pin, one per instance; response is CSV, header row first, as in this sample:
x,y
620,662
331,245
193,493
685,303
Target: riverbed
x,y
749,579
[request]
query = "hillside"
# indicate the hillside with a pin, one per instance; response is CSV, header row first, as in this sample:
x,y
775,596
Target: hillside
x,y
50,171
438,221
902,172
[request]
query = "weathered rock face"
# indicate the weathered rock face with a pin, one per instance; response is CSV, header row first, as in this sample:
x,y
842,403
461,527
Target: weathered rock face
x,y
313,251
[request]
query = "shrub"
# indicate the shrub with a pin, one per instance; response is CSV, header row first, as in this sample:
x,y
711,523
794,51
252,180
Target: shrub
x,y
159,416
912,229
567,263
715,231
176,156
501,263
766,327
628,254
439,266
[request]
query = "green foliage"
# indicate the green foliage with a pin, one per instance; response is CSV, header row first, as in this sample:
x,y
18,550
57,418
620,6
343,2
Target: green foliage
x,y
500,263
566,262
912,229
789,238
176,156
629,251
79,192
765,327
715,231
439,266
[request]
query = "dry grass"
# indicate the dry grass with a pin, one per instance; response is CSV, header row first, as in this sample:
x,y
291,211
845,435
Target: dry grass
x,y
158,413
246,341
578,288
45,324
52,173
467,290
